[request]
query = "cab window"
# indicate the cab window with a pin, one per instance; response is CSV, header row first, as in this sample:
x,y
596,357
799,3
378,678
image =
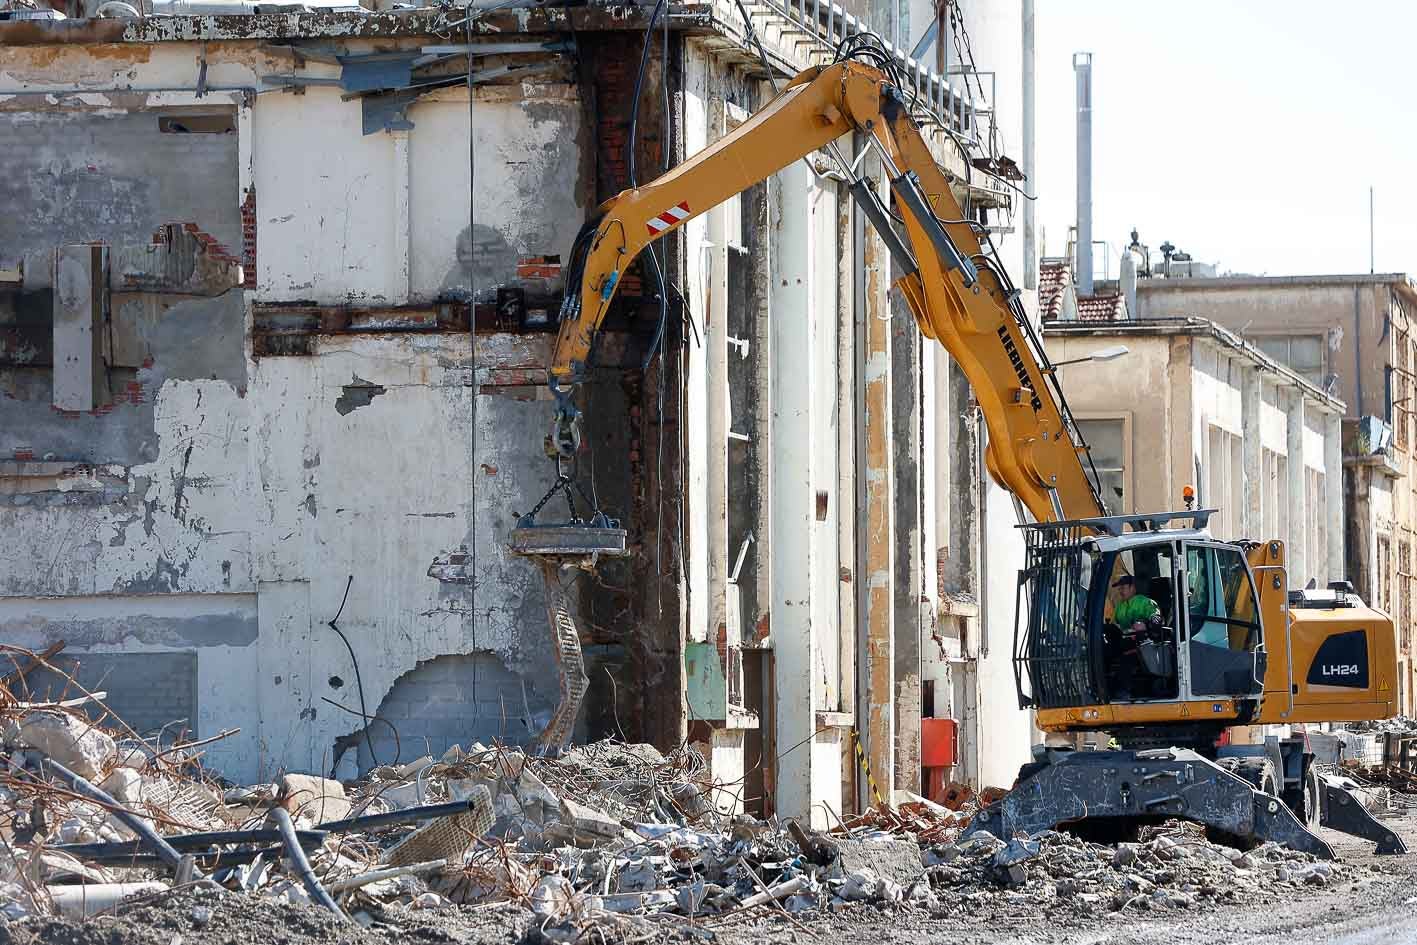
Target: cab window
x,y
1198,586
1221,598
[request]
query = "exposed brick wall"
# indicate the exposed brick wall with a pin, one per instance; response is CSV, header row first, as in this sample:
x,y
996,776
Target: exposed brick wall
x,y
614,85
652,708
145,690
456,699
248,238
612,63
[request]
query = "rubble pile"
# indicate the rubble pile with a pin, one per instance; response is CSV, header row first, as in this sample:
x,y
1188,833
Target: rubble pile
x,y
1397,781
613,837
1378,759
1175,869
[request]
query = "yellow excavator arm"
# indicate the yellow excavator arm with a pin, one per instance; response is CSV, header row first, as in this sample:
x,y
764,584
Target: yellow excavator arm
x,y
960,296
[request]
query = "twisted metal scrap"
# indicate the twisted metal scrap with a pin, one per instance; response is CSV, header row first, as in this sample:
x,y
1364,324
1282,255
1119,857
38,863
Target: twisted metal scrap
x,y
570,664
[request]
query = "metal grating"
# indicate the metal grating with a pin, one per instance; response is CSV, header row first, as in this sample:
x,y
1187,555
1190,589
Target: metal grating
x,y
1053,637
447,838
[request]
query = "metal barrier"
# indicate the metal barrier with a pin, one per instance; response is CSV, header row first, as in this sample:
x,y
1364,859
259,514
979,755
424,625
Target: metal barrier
x,y
967,116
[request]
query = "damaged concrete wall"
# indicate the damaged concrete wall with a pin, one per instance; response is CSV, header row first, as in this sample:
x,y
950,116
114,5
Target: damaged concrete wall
x,y
95,171
225,507
386,219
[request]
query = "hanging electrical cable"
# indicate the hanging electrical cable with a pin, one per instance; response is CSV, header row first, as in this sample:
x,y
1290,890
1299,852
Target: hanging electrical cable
x,y
473,466
652,257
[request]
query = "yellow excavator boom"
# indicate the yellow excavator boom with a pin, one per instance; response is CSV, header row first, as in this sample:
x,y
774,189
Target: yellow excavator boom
x,y
961,297
958,295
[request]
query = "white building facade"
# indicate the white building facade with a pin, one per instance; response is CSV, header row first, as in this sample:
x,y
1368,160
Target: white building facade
x,y
227,514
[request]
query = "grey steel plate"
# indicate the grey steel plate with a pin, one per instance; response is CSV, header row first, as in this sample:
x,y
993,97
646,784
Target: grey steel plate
x,y
567,540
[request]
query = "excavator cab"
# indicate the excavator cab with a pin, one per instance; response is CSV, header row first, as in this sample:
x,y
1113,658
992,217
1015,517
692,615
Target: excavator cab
x,y
1135,620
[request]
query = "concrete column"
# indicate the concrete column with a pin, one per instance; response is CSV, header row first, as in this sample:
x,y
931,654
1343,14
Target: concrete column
x,y
1251,405
1298,513
808,775
846,491
715,308
906,357
826,376
1334,511
875,710
701,460
403,224
932,456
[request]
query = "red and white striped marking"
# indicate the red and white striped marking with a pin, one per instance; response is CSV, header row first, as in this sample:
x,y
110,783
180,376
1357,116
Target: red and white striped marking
x,y
675,214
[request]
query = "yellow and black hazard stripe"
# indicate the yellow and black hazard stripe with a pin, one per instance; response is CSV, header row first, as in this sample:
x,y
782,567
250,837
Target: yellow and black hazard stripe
x,y
866,769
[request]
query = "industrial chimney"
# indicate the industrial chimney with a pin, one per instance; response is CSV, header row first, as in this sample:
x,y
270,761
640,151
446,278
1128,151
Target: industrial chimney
x,y
1082,67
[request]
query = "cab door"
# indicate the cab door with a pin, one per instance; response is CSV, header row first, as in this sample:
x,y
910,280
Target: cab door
x,y
1224,639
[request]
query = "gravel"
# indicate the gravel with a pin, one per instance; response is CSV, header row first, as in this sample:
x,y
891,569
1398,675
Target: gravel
x,y
1365,902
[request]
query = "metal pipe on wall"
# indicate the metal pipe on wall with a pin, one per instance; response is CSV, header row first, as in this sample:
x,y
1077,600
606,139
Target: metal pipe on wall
x,y
1082,68
1030,222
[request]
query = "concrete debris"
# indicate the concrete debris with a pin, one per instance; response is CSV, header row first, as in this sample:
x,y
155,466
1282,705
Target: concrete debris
x,y
125,784
889,858
69,739
312,799
1175,868
597,842
585,826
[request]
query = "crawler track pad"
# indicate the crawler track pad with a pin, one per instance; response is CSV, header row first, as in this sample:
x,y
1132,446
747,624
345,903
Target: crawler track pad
x,y
1145,786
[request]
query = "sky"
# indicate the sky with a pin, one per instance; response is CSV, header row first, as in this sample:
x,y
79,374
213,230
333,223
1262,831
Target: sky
x,y
1245,132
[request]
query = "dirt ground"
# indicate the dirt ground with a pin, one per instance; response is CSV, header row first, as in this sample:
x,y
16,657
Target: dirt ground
x,y
1371,904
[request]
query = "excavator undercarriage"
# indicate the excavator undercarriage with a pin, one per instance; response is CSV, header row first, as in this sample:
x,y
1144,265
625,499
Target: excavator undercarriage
x,y
1108,795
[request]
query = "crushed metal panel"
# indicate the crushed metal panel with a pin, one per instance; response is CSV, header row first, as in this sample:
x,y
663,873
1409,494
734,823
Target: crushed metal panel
x,y
377,71
388,111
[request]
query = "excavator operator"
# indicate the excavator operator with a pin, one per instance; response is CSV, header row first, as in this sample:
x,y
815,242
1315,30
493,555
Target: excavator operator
x,y
1133,611
1136,619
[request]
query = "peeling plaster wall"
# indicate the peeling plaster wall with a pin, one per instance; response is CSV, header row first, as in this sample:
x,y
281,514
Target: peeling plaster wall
x,y
101,173
376,493
228,517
